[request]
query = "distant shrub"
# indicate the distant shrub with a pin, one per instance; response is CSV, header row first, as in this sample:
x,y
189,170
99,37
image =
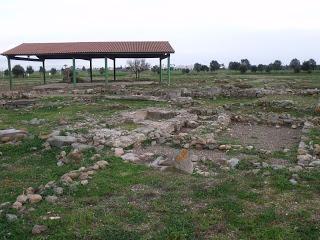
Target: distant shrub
x,y
30,70
243,68
295,65
155,69
214,65
18,70
260,67
185,70
234,66
268,69
254,68
53,71
205,68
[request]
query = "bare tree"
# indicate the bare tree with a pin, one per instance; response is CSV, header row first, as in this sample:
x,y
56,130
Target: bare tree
x,y
137,66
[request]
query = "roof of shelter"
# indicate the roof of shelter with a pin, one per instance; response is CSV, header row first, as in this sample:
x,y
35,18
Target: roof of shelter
x,y
94,49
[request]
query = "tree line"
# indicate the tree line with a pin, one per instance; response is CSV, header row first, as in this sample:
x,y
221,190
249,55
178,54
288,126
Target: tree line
x,y
19,71
244,66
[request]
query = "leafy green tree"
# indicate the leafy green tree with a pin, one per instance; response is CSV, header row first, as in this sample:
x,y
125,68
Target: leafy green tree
x,y
29,70
155,69
261,67
53,71
243,68
277,65
214,65
306,66
18,70
313,64
101,70
254,68
197,67
204,68
268,68
83,68
185,70
234,66
6,72
246,62
295,65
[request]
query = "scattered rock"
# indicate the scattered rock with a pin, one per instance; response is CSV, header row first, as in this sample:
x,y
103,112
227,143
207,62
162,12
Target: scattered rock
x,y
224,147
315,163
183,161
58,190
84,182
4,205
22,198
293,181
61,141
295,169
9,135
17,205
76,156
95,157
36,121
233,162
34,198
102,164
130,157
51,199
316,149
118,152
38,229
11,217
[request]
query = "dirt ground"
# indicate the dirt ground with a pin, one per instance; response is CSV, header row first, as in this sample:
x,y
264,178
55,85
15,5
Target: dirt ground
x,y
262,136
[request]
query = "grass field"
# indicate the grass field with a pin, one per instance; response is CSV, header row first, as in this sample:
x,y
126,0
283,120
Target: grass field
x,y
128,201
280,79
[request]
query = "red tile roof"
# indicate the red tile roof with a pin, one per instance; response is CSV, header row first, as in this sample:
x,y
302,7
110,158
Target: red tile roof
x,y
91,48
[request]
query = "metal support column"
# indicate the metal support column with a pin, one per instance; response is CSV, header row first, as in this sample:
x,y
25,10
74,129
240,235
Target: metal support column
x,y
44,71
106,70
10,73
74,77
169,71
160,69
91,70
114,69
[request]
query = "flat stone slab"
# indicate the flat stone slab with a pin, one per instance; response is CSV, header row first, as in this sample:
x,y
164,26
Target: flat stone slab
x,y
61,141
12,134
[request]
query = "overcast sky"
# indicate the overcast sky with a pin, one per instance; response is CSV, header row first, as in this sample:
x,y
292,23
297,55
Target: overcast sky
x,y
199,31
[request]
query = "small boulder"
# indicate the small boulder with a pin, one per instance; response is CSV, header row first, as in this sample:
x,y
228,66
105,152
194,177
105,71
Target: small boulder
x,y
118,152
102,164
11,217
293,181
317,149
61,141
34,198
51,199
183,161
58,190
17,205
75,156
233,162
22,198
130,157
38,229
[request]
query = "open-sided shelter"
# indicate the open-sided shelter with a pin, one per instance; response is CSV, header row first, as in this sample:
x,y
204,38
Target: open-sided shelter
x,y
88,51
